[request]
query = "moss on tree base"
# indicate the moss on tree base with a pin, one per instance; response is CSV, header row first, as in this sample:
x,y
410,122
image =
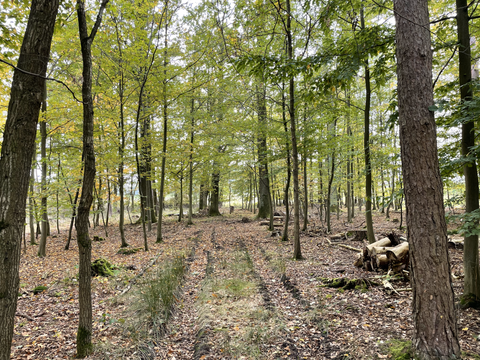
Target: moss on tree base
x,y
469,301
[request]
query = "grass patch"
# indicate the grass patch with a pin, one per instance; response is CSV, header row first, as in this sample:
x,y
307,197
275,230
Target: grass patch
x,y
159,292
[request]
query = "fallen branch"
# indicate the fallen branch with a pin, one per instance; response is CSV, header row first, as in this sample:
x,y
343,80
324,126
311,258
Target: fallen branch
x,y
349,247
25,316
134,279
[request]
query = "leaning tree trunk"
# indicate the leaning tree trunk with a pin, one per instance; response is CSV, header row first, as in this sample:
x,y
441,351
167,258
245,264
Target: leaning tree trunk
x,y
84,332
16,156
435,327
471,282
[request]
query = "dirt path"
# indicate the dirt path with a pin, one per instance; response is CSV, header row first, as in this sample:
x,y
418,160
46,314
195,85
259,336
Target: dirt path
x,y
241,296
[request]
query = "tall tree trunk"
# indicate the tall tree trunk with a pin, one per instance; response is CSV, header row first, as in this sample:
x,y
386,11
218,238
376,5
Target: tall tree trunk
x,y
42,248
289,167
17,151
121,145
190,165
328,209
305,182
435,328
297,253
263,180
84,333
165,137
366,147
471,282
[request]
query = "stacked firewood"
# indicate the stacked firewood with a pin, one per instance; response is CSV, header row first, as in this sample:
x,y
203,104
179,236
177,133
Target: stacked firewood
x,y
389,253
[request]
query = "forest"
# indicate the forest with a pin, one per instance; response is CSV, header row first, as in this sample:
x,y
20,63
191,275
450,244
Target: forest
x,y
249,179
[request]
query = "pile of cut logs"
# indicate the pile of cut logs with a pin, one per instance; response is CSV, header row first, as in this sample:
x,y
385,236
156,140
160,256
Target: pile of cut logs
x,y
389,253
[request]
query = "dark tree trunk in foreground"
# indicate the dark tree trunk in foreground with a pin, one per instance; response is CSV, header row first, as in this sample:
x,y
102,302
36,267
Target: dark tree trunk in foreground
x,y
16,157
471,281
84,332
435,334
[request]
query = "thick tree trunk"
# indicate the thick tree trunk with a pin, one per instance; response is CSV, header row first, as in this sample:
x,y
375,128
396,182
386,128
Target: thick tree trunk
x,y
84,333
435,327
214,200
16,156
470,255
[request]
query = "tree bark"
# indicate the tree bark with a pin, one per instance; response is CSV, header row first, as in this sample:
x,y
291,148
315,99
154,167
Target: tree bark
x,y
16,156
42,248
471,282
435,328
84,332
264,209
366,146
289,168
297,253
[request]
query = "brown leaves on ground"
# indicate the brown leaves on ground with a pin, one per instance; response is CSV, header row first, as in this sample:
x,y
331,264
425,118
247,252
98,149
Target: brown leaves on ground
x,y
242,297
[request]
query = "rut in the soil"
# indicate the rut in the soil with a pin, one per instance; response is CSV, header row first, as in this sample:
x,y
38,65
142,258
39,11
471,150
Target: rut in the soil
x,y
324,347
289,343
200,347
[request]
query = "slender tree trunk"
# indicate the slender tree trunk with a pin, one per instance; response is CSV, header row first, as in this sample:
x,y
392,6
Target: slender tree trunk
x,y
43,208
165,129
329,190
264,208
190,166
435,327
471,282
16,156
289,167
84,333
297,253
366,146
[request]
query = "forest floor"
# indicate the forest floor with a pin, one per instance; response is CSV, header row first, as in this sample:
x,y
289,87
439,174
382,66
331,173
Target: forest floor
x,y
240,296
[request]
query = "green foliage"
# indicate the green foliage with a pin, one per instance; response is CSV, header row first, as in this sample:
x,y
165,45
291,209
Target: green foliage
x,y
468,222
